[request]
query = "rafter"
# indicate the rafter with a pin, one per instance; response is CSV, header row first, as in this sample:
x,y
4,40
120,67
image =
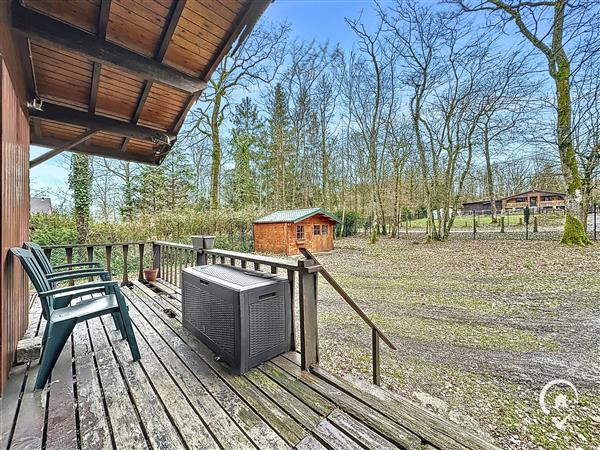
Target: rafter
x,y
40,27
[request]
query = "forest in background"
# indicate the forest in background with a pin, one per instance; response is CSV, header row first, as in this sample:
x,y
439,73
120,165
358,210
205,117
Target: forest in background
x,y
435,105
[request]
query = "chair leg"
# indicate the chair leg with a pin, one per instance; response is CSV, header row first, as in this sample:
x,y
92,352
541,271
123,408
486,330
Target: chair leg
x,y
58,333
119,324
45,336
124,312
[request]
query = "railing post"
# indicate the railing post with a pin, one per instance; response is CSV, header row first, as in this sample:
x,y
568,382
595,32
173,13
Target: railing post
x,y
376,359
201,258
156,258
48,253
69,252
90,256
125,280
108,259
141,271
291,279
309,336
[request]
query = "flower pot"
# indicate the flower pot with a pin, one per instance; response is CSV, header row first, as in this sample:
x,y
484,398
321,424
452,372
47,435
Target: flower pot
x,y
150,274
209,242
198,242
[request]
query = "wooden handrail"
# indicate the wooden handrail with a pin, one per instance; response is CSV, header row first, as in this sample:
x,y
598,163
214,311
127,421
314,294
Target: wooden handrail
x,y
376,333
347,298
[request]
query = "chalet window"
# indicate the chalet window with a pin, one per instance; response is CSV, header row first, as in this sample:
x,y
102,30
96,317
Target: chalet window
x,y
324,230
299,232
317,230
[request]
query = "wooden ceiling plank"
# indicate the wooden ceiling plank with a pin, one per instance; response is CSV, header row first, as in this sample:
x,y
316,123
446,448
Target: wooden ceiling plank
x,y
174,17
61,148
85,119
38,26
246,23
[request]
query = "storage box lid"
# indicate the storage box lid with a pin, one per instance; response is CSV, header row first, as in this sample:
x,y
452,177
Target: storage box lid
x,y
233,276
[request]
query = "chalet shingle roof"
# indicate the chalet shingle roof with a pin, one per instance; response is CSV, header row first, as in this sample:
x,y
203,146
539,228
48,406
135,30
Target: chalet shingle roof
x,y
294,215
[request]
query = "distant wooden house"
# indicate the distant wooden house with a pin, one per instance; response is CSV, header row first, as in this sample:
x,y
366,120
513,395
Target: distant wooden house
x,y
539,200
535,199
286,231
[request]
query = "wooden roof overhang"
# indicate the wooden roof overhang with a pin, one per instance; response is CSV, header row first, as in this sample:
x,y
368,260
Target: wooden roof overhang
x,y
116,78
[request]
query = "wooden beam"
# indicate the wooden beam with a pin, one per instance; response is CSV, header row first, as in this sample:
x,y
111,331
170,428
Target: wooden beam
x,y
94,87
40,27
174,16
102,25
103,19
92,121
169,30
47,141
61,148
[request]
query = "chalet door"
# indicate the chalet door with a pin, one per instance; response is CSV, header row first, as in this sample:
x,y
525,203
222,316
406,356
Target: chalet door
x,y
533,201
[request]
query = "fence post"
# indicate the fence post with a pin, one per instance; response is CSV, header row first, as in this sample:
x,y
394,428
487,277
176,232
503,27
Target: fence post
x,y
90,257
291,275
474,226
309,336
595,220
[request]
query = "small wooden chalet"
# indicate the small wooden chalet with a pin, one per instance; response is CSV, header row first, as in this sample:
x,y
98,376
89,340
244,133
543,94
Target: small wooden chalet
x,y
286,231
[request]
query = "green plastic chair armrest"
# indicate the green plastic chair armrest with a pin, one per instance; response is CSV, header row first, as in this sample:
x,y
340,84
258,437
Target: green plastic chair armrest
x,y
93,285
78,264
75,274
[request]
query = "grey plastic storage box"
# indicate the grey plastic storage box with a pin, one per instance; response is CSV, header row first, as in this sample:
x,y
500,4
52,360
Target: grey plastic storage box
x,y
244,316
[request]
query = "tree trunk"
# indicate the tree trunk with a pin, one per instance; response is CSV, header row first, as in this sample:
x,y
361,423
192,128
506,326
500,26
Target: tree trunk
x,y
489,173
215,171
574,231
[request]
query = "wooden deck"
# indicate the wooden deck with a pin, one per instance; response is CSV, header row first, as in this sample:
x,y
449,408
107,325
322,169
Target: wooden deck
x,y
180,396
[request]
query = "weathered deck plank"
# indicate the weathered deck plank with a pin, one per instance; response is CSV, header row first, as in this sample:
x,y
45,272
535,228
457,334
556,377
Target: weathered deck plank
x,y
127,429
61,425
179,396
245,417
94,429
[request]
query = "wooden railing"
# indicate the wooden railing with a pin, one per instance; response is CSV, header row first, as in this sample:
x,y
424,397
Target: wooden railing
x,y
108,253
170,258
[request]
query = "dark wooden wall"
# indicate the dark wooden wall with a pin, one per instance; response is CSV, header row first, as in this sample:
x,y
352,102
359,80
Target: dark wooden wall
x,y
14,217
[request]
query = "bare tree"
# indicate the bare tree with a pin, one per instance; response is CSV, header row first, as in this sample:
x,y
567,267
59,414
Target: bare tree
x,y
255,61
565,33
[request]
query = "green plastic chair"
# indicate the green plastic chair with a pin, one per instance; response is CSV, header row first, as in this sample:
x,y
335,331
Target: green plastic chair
x,y
62,317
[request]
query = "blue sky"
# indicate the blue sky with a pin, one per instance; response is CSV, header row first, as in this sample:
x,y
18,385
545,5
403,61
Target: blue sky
x,y
319,19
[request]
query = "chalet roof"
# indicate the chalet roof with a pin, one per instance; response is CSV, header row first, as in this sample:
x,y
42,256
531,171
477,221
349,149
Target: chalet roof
x,y
295,215
128,71
532,191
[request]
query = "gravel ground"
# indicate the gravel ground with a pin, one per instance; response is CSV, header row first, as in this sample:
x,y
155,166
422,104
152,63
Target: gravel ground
x,y
481,327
